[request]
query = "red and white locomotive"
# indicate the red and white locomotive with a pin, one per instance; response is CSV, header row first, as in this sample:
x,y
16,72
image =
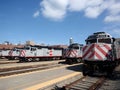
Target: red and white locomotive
x,y
38,53
74,53
14,53
101,53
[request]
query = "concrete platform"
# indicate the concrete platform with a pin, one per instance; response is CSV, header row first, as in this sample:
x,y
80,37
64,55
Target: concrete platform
x,y
39,79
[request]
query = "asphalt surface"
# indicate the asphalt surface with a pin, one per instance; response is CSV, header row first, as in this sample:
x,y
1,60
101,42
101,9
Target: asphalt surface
x,y
22,81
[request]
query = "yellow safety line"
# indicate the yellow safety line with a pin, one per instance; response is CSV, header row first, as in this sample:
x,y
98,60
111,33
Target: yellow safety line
x,y
51,82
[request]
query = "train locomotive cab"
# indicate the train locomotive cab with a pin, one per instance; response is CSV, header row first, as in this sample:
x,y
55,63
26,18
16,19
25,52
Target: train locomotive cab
x,y
74,53
98,55
27,54
14,53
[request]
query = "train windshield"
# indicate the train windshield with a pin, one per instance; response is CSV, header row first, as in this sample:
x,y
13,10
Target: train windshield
x,y
33,49
108,41
74,47
27,48
91,41
103,40
100,37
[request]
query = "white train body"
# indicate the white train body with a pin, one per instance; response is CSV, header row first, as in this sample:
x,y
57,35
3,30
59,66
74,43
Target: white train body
x,y
36,53
4,53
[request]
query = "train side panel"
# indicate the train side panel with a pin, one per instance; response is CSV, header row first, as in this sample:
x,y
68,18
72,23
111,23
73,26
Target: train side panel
x,y
57,52
40,53
5,53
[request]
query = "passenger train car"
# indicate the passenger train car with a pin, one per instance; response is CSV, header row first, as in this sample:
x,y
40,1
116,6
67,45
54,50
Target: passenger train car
x,y
38,53
101,53
74,53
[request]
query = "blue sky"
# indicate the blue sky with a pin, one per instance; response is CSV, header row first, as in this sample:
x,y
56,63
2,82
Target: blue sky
x,y
55,21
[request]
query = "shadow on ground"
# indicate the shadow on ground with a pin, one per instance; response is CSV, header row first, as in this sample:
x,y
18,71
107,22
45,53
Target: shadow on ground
x,y
77,67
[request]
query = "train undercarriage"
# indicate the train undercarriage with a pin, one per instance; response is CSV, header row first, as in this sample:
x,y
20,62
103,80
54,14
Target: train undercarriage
x,y
73,60
32,59
99,67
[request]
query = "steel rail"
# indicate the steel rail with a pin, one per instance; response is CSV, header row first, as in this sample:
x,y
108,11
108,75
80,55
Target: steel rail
x,y
85,83
25,70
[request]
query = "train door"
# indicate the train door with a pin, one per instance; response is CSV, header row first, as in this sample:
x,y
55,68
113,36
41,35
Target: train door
x,y
45,52
33,51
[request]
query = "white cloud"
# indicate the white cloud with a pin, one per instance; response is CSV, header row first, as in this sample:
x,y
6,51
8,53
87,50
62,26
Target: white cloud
x,y
36,14
93,12
77,5
54,9
57,9
113,12
112,18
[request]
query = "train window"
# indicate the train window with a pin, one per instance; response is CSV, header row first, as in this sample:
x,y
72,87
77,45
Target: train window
x,y
108,35
27,48
14,49
49,48
81,48
39,47
33,49
91,41
17,50
74,47
109,41
57,48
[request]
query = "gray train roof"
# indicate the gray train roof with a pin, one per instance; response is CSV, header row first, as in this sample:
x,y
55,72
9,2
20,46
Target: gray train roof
x,y
99,35
39,46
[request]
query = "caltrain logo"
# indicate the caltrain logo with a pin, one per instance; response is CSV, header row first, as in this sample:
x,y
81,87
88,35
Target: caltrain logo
x,y
71,53
97,52
10,53
22,53
50,53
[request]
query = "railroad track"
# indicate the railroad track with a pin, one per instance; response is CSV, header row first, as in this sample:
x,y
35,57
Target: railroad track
x,y
85,83
24,69
8,61
95,83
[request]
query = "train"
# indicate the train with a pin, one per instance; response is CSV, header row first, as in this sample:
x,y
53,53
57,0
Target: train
x,y
38,53
28,53
74,53
101,54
